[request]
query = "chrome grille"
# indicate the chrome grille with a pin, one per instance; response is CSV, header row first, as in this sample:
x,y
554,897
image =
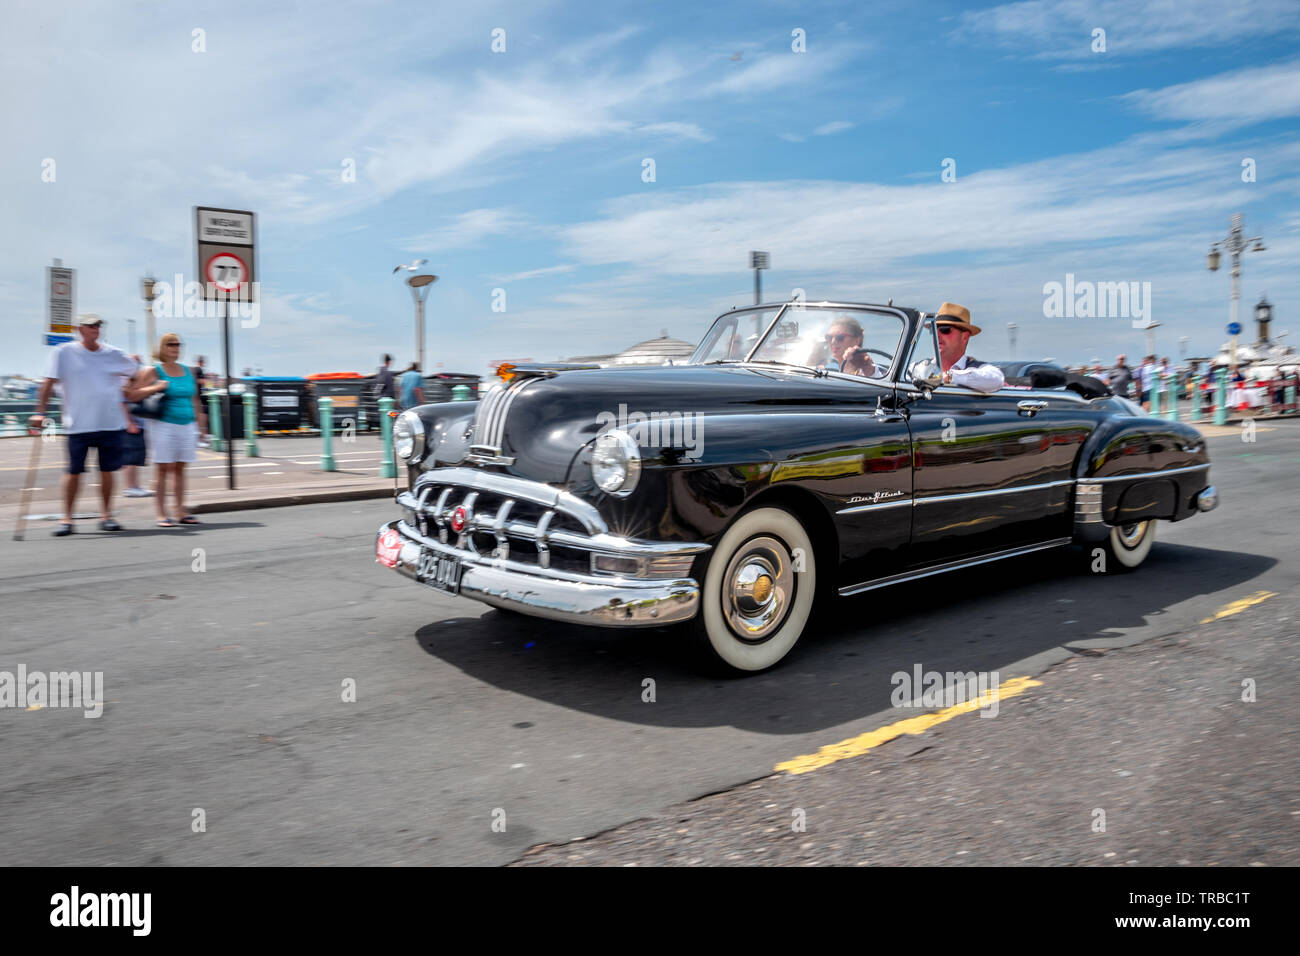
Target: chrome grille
x,y
530,523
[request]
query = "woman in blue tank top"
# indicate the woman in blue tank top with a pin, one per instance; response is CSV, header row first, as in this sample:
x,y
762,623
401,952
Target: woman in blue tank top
x,y
173,437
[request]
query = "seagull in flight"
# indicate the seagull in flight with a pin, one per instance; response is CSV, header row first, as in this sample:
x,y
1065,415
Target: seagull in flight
x,y
411,268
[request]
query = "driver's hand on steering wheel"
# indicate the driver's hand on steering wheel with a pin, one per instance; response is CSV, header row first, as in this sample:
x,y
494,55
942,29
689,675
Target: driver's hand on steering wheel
x,y
858,362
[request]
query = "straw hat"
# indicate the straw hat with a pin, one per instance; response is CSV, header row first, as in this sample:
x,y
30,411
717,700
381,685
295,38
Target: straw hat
x,y
952,314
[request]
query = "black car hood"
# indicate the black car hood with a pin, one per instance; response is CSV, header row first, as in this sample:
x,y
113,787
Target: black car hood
x,y
551,419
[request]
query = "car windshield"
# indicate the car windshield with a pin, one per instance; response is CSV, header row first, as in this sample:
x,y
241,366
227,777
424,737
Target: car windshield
x,y
734,336
853,341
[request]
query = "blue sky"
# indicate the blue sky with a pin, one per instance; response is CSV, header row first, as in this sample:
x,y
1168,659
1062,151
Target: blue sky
x,y
522,170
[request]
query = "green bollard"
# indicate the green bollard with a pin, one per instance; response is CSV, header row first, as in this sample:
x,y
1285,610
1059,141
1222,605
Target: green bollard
x,y
1290,400
1221,398
387,467
1196,397
1154,390
462,393
214,419
326,406
1171,384
250,426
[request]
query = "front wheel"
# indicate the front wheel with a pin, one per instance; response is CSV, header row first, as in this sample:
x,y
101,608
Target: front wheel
x,y
1128,545
757,592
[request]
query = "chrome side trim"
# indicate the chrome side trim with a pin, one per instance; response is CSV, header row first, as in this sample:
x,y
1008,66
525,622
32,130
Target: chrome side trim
x,y
1151,474
1087,504
965,495
858,509
950,566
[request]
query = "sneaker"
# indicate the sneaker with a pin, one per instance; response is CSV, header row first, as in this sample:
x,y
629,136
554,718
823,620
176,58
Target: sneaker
x,y
138,493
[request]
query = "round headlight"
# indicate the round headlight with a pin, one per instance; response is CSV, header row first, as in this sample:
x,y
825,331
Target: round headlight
x,y
408,436
616,462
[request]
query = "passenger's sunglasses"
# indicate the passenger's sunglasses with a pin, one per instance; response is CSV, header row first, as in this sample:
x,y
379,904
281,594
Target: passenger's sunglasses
x,y
843,336
947,329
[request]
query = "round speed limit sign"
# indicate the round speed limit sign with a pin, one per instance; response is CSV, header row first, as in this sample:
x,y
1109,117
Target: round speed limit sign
x,y
226,272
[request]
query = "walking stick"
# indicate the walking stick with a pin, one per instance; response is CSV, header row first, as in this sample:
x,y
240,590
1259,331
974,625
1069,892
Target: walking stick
x,y
25,496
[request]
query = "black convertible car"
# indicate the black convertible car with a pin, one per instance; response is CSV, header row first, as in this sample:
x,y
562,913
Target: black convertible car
x,y
733,493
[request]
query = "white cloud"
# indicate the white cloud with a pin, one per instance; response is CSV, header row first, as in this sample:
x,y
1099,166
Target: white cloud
x,y
1062,29
1244,96
838,126
467,229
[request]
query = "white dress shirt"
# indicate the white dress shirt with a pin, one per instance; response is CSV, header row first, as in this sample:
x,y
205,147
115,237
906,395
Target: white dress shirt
x,y
981,376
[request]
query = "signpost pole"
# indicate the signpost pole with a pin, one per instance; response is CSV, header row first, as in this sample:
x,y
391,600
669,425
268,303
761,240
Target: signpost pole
x,y
225,399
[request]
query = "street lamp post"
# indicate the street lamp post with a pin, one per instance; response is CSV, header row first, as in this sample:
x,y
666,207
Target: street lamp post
x,y
1150,329
1012,328
149,293
758,261
1235,244
1182,347
130,335
419,292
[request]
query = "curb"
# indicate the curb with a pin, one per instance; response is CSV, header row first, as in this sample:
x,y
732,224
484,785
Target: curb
x,y
281,501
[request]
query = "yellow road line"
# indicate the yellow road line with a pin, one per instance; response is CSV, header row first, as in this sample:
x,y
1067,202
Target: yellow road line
x,y
856,746
1236,607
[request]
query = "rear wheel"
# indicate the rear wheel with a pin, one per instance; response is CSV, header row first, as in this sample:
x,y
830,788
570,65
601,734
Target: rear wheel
x,y
757,592
1128,545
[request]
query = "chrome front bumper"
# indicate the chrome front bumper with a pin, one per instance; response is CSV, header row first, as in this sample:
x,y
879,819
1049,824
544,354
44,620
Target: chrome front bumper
x,y
599,600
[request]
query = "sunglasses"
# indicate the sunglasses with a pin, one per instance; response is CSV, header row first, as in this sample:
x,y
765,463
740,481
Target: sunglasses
x,y
842,337
948,329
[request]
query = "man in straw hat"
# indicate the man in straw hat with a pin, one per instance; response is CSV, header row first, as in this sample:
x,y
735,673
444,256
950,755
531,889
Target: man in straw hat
x,y
955,329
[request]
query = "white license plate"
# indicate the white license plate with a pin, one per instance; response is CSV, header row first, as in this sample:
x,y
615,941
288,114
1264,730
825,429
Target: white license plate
x,y
439,571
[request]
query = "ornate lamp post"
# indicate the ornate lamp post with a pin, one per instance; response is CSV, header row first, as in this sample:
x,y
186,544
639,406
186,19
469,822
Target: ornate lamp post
x,y
1263,316
148,293
1011,340
1234,243
758,261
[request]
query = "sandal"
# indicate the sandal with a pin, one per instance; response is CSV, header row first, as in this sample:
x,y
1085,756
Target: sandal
x,y
166,523
189,519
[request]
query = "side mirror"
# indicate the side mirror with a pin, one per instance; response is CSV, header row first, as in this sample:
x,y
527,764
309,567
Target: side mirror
x,y
927,375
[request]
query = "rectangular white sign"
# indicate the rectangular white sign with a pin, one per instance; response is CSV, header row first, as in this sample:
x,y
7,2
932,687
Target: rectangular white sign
x,y
62,287
225,228
279,401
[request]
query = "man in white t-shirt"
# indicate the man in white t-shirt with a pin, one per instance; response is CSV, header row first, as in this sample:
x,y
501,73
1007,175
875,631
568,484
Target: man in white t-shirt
x,y
90,377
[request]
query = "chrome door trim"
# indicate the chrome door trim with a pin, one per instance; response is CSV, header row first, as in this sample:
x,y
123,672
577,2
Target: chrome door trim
x,y
950,566
965,495
1150,474
858,509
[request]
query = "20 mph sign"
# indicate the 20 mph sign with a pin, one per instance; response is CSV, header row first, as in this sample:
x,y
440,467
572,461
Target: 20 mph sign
x,y
227,255
226,271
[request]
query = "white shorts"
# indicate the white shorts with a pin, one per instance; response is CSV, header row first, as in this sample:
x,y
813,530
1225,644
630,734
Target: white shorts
x,y
170,443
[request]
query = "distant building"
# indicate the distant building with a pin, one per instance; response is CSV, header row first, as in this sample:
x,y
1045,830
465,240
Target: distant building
x,y
658,351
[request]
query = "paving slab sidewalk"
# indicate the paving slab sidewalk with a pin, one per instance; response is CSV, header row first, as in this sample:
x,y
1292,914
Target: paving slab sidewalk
x,y
286,472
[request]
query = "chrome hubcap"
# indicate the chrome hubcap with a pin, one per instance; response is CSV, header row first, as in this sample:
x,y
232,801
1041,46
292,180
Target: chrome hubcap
x,y
758,589
1130,535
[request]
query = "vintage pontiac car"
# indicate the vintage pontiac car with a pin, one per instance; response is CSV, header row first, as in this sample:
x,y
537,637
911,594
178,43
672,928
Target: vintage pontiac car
x,y
735,493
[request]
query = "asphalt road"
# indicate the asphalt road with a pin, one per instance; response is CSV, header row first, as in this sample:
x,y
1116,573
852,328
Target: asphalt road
x,y
225,693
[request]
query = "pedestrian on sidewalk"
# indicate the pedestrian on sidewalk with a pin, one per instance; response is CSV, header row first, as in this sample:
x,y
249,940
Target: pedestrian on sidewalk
x,y
385,382
1121,377
89,375
173,437
412,387
134,455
